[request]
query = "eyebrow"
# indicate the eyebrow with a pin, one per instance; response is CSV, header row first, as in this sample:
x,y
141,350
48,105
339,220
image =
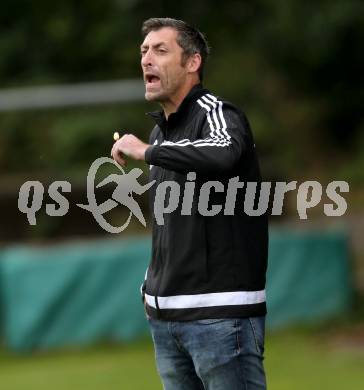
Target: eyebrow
x,y
155,46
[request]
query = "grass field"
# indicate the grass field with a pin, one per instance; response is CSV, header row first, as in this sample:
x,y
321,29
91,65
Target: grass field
x,y
294,361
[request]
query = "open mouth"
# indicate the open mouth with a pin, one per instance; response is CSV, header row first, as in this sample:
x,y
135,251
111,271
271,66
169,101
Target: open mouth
x,y
151,79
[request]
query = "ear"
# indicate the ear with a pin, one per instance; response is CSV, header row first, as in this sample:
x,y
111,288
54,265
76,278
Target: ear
x,y
194,63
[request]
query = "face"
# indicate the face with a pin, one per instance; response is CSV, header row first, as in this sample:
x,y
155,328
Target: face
x,y
161,60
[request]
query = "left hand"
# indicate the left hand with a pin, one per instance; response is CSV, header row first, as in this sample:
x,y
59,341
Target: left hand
x,y
130,146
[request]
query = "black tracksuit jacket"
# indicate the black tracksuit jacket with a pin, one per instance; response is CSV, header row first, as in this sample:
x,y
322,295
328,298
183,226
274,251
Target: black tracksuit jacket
x,y
205,266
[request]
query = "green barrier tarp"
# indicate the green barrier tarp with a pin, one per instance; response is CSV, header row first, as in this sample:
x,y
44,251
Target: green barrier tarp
x,y
73,294
76,294
309,277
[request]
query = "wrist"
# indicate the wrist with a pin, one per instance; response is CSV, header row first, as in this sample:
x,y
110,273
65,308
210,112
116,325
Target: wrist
x,y
142,151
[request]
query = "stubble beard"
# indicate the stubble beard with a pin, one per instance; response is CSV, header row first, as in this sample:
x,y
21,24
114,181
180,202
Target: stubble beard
x,y
157,97
164,94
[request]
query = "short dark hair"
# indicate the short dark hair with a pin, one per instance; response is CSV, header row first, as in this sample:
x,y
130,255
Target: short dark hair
x,y
189,38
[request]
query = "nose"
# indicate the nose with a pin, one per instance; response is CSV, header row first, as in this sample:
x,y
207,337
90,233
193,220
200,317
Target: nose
x,y
147,59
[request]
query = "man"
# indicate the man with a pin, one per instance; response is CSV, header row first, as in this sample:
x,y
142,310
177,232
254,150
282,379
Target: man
x,y
205,287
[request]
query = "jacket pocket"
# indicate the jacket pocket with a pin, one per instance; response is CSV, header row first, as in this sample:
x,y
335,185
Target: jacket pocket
x,y
219,252
184,262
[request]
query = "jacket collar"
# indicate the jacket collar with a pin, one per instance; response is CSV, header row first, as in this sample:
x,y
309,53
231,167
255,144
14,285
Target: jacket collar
x,y
196,92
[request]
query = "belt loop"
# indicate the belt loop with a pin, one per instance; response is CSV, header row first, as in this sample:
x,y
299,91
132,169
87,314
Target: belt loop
x,y
159,314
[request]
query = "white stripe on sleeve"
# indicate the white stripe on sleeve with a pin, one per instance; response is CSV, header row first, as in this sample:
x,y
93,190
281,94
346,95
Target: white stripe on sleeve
x,y
218,135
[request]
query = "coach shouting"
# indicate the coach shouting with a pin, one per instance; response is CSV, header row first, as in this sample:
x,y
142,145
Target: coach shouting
x,y
204,291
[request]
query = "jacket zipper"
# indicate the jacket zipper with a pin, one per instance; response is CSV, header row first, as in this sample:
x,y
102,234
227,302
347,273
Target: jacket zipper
x,y
159,312
161,267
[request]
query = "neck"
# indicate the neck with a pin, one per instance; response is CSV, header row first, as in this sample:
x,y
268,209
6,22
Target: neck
x,y
170,106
